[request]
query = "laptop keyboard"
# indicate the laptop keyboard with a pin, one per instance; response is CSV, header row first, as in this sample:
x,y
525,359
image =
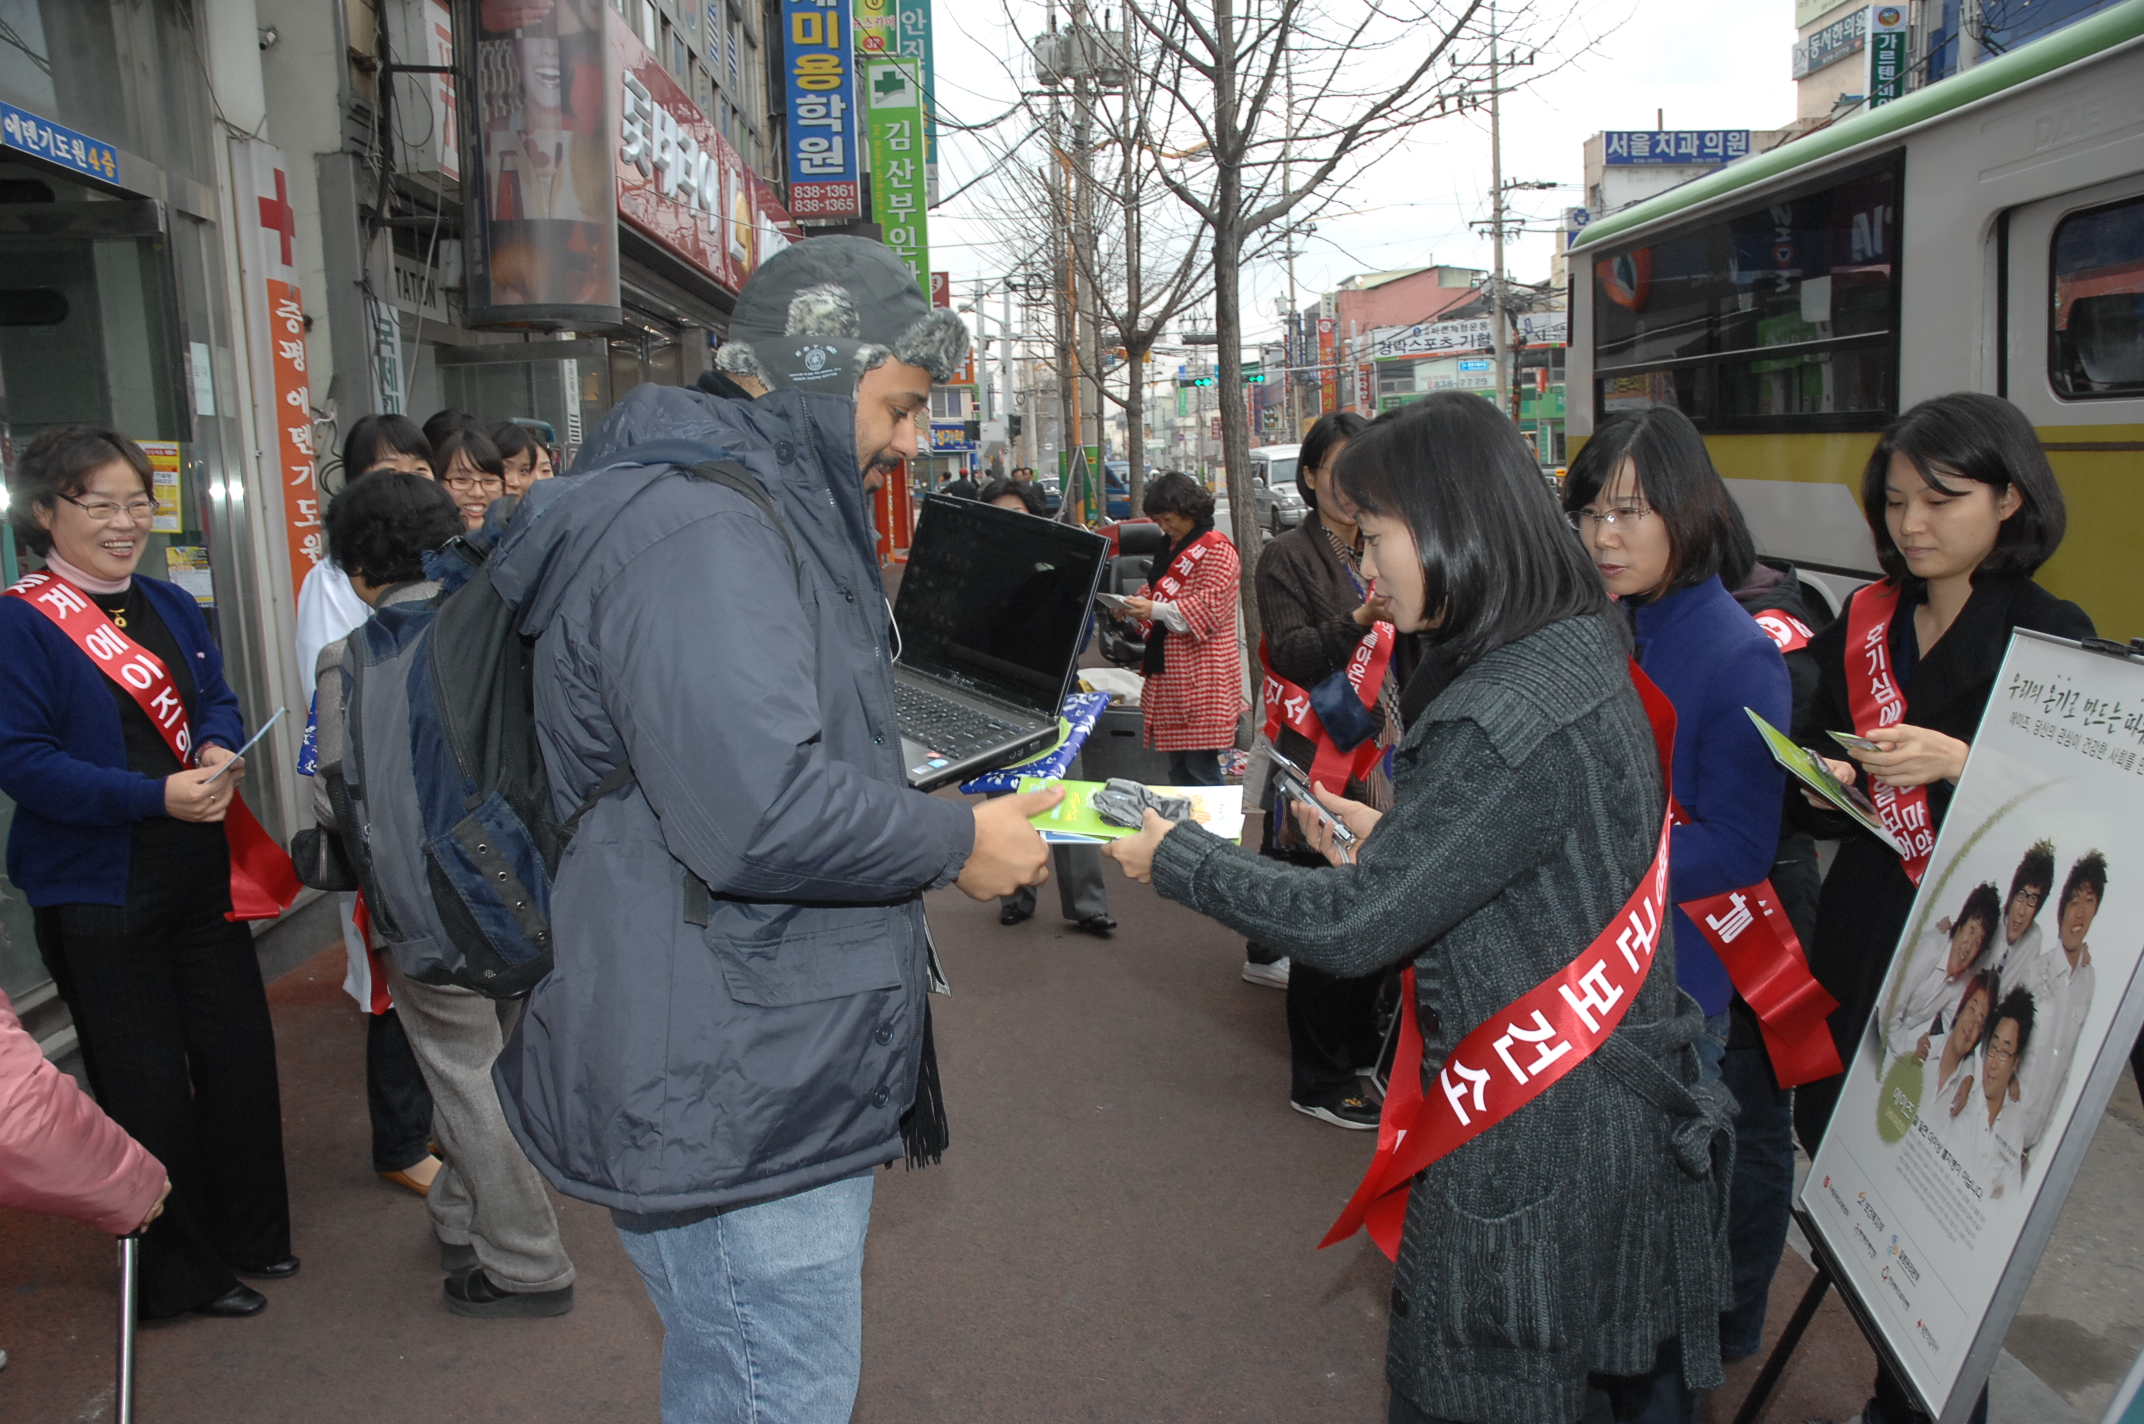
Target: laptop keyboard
x,y
949,728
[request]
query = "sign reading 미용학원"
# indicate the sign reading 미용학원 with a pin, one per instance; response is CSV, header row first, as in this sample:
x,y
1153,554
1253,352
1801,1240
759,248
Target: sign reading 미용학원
x,y
894,104
542,196
1887,53
824,176
2002,1024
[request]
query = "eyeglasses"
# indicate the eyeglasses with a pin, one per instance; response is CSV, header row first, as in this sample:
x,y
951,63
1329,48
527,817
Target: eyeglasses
x,y
103,511
2034,898
462,484
1998,1050
1585,521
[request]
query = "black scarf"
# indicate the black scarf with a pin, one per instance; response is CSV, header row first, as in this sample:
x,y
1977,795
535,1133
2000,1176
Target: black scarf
x,y
1152,663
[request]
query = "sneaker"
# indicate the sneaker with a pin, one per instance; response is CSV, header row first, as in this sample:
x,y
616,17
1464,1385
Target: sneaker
x,y
1351,1111
1273,976
472,1293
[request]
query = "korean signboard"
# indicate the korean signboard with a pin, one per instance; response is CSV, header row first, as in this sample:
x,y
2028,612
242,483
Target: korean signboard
x,y
1688,148
1887,53
680,182
1429,338
824,175
894,104
1328,368
2001,1027
1837,40
903,27
544,205
275,332
25,132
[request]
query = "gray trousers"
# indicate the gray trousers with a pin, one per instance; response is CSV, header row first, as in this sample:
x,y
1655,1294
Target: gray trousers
x,y
486,1196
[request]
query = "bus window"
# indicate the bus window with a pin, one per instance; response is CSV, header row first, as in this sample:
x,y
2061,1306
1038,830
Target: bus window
x,y
1776,318
2095,344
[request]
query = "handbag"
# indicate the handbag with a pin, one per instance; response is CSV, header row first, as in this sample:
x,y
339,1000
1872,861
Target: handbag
x,y
1341,712
318,855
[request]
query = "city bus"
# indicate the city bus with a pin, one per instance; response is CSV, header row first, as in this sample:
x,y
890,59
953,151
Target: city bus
x,y
1984,233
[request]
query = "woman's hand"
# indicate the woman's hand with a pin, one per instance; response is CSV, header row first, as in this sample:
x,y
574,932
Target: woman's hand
x,y
191,796
1844,770
1136,852
1139,608
1376,609
1357,817
212,757
1913,756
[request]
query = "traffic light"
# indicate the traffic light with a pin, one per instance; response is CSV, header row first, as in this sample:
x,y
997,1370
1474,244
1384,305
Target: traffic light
x,y
1012,427
1194,380
1254,373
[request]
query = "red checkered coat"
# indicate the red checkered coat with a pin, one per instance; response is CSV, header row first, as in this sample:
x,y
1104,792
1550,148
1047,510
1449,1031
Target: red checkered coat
x,y
1194,703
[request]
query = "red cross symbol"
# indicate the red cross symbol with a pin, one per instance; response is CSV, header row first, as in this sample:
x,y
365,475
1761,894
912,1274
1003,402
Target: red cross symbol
x,y
279,217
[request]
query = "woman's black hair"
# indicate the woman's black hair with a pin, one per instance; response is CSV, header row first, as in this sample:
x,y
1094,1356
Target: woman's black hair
x,y
2089,873
1984,904
1498,559
381,527
1706,532
513,439
474,443
1970,436
1177,494
2035,871
373,437
57,465
445,422
1318,441
1023,490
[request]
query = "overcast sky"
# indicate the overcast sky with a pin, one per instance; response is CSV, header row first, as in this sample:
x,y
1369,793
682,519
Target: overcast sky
x,y
1722,66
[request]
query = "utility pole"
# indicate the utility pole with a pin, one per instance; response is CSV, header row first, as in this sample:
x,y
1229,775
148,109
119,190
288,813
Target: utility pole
x,y
1498,340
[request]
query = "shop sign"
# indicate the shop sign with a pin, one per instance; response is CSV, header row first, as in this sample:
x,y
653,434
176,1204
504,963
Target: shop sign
x,y
950,437
824,178
1887,54
903,27
25,132
164,464
1551,328
1831,44
1684,148
1328,368
895,108
680,182
275,331
543,203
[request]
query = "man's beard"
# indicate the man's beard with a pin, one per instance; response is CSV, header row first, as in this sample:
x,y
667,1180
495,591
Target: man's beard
x,y
878,468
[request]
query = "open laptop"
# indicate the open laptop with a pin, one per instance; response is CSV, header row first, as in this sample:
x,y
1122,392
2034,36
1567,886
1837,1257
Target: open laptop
x,y
989,618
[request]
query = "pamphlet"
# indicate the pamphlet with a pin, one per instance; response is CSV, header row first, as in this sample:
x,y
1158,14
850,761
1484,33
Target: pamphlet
x,y
1811,771
1073,822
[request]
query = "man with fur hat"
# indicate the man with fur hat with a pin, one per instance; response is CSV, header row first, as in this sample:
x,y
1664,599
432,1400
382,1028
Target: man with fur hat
x,y
737,1032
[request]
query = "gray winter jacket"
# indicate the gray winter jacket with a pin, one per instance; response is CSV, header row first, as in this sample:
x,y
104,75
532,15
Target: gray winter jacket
x,y
664,1066
1588,1227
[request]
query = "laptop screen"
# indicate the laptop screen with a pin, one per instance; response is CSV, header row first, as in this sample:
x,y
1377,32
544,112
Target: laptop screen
x,y
995,601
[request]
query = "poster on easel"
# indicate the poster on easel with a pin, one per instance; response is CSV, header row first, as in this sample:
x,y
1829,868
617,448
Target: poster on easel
x,y
2004,1020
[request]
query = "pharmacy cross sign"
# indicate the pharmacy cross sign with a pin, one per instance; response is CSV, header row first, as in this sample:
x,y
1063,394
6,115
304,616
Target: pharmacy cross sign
x,y
890,83
280,218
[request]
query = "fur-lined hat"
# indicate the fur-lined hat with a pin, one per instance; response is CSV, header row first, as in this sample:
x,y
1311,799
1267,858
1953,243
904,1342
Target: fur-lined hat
x,y
821,312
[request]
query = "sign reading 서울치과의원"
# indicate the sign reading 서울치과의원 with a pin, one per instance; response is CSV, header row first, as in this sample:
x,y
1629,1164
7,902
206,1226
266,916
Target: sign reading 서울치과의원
x,y
1673,147
824,174
893,100
2002,1024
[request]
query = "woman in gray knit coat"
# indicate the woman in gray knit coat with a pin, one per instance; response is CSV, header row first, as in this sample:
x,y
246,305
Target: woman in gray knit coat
x,y
1570,1261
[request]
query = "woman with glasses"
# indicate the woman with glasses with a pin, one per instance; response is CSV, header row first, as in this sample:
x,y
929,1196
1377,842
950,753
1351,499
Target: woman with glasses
x,y
473,470
1659,526
118,846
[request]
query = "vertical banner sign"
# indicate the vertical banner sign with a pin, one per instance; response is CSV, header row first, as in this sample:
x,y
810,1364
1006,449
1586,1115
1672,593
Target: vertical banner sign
x,y
2001,1027
824,179
541,197
1887,53
916,44
1328,368
275,330
439,38
894,103
165,462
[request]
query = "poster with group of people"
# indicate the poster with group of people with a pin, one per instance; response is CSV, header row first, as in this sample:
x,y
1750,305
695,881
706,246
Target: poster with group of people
x,y
1983,1073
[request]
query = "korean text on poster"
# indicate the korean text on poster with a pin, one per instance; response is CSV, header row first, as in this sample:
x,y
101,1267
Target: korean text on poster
x,y
895,108
823,171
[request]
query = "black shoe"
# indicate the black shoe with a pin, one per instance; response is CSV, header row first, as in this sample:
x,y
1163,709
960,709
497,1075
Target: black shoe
x,y
455,1259
1100,926
473,1293
238,1300
282,1270
1342,1110
1013,914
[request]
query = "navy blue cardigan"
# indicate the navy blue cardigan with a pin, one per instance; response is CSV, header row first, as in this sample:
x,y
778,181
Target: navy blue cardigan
x,y
63,757
1711,659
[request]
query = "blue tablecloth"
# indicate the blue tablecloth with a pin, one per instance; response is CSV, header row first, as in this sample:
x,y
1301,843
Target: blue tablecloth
x,y
1081,711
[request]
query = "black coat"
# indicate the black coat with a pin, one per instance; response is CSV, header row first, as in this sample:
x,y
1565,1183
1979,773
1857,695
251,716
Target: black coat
x,y
1867,896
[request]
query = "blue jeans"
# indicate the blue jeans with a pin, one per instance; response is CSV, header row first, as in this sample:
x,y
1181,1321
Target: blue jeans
x,y
1195,768
762,1305
1761,1198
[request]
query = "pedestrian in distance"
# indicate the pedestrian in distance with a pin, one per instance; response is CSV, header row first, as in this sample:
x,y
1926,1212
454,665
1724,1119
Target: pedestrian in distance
x,y
526,459
1659,526
1570,1256
1187,615
736,1033
119,845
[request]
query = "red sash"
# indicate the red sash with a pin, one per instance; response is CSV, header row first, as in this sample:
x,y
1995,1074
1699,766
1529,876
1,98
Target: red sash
x,y
1876,700
1518,1053
263,881
1174,577
1787,632
1289,704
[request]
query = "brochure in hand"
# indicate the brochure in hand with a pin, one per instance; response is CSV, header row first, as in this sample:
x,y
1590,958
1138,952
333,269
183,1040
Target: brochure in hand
x,y
1074,822
1811,771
